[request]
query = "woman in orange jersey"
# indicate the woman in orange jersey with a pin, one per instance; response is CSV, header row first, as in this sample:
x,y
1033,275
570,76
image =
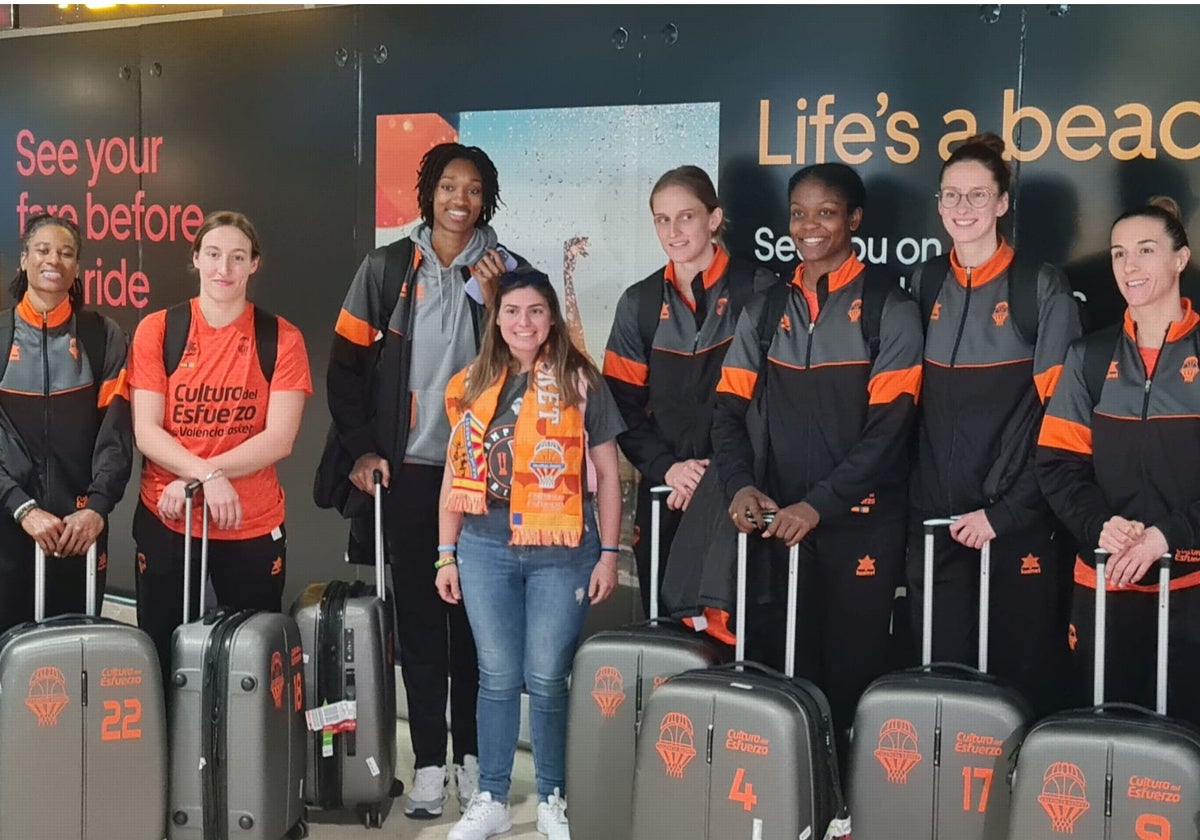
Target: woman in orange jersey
x,y
1119,461
65,440
814,407
663,378
997,327
218,388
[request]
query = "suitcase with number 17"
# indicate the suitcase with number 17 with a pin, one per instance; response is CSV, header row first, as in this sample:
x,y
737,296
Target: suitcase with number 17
x,y
83,726
740,750
932,746
614,673
1115,770
237,718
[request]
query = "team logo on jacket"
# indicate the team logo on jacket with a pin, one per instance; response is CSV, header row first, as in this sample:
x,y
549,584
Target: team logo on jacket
x,y
1112,370
608,690
549,462
73,348
188,360
676,743
1191,366
81,502
1031,565
855,311
47,695
898,750
785,323
664,313
936,314
1064,796
244,346
277,679
722,302
1000,313
866,567
14,355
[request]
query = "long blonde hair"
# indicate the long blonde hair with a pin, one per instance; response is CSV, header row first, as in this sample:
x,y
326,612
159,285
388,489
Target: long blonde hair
x,y
495,358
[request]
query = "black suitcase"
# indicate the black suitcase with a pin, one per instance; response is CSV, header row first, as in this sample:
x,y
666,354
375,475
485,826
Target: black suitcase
x,y
932,747
739,751
1115,770
350,682
615,671
237,719
83,726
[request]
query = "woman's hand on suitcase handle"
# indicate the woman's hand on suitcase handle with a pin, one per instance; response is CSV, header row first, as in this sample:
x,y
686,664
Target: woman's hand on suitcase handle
x,y
972,529
1131,564
171,501
45,528
362,475
747,509
1119,533
447,584
80,530
793,523
224,505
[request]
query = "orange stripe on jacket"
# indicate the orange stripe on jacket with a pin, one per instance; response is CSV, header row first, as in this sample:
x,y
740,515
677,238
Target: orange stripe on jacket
x,y
112,388
1085,575
1065,434
1047,381
626,370
354,329
887,386
737,381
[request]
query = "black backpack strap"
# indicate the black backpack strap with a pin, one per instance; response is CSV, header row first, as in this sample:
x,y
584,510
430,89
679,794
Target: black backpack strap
x,y
397,258
741,285
776,301
651,294
8,329
1098,350
266,339
931,275
93,335
175,333
1023,296
878,286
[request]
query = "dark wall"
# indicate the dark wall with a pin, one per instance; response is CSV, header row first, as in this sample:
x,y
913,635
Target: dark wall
x,y
274,115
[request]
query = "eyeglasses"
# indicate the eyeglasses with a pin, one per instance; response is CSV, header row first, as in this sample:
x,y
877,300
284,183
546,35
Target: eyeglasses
x,y
525,275
978,197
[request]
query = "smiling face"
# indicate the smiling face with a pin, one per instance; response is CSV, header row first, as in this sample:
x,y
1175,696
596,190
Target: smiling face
x,y
685,227
821,224
1145,263
524,320
966,224
51,262
458,199
225,264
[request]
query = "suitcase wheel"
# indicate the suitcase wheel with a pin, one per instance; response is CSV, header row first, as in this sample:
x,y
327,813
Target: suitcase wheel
x,y
299,831
371,816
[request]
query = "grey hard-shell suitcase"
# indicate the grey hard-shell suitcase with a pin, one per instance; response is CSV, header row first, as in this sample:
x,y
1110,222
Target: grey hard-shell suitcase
x,y
740,750
83,727
615,672
237,720
1115,770
346,632
932,746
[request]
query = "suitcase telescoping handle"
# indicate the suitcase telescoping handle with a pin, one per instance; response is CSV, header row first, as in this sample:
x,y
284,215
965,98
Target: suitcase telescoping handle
x,y
657,494
1101,632
789,650
189,494
39,581
380,586
985,593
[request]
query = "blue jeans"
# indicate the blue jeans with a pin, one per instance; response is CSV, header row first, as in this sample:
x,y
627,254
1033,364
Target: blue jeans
x,y
526,605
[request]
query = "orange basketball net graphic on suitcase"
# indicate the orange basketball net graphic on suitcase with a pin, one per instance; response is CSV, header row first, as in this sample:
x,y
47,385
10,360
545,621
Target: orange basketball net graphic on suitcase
x,y
47,695
1064,796
897,750
676,743
608,690
277,679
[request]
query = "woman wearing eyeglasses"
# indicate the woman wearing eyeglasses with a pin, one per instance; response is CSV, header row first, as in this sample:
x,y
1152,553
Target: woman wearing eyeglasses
x,y
997,330
528,523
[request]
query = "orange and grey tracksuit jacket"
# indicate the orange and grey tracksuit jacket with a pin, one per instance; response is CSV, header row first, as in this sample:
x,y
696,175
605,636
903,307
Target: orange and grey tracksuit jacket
x,y
832,425
1136,453
984,391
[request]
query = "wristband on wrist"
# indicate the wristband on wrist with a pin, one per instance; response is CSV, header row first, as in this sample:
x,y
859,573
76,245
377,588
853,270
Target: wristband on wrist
x,y
451,547
24,510
217,473
445,561
615,549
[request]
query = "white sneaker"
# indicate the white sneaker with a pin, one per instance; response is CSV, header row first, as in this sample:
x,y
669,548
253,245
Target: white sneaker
x,y
466,778
552,818
484,818
428,795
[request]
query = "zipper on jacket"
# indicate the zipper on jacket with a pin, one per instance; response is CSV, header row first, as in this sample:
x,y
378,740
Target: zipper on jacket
x,y
46,403
1149,378
962,323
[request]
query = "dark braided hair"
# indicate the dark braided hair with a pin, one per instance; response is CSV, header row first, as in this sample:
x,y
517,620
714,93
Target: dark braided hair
x,y
34,223
434,164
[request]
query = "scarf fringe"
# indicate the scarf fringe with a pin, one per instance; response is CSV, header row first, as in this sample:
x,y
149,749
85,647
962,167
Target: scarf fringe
x,y
466,501
568,537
